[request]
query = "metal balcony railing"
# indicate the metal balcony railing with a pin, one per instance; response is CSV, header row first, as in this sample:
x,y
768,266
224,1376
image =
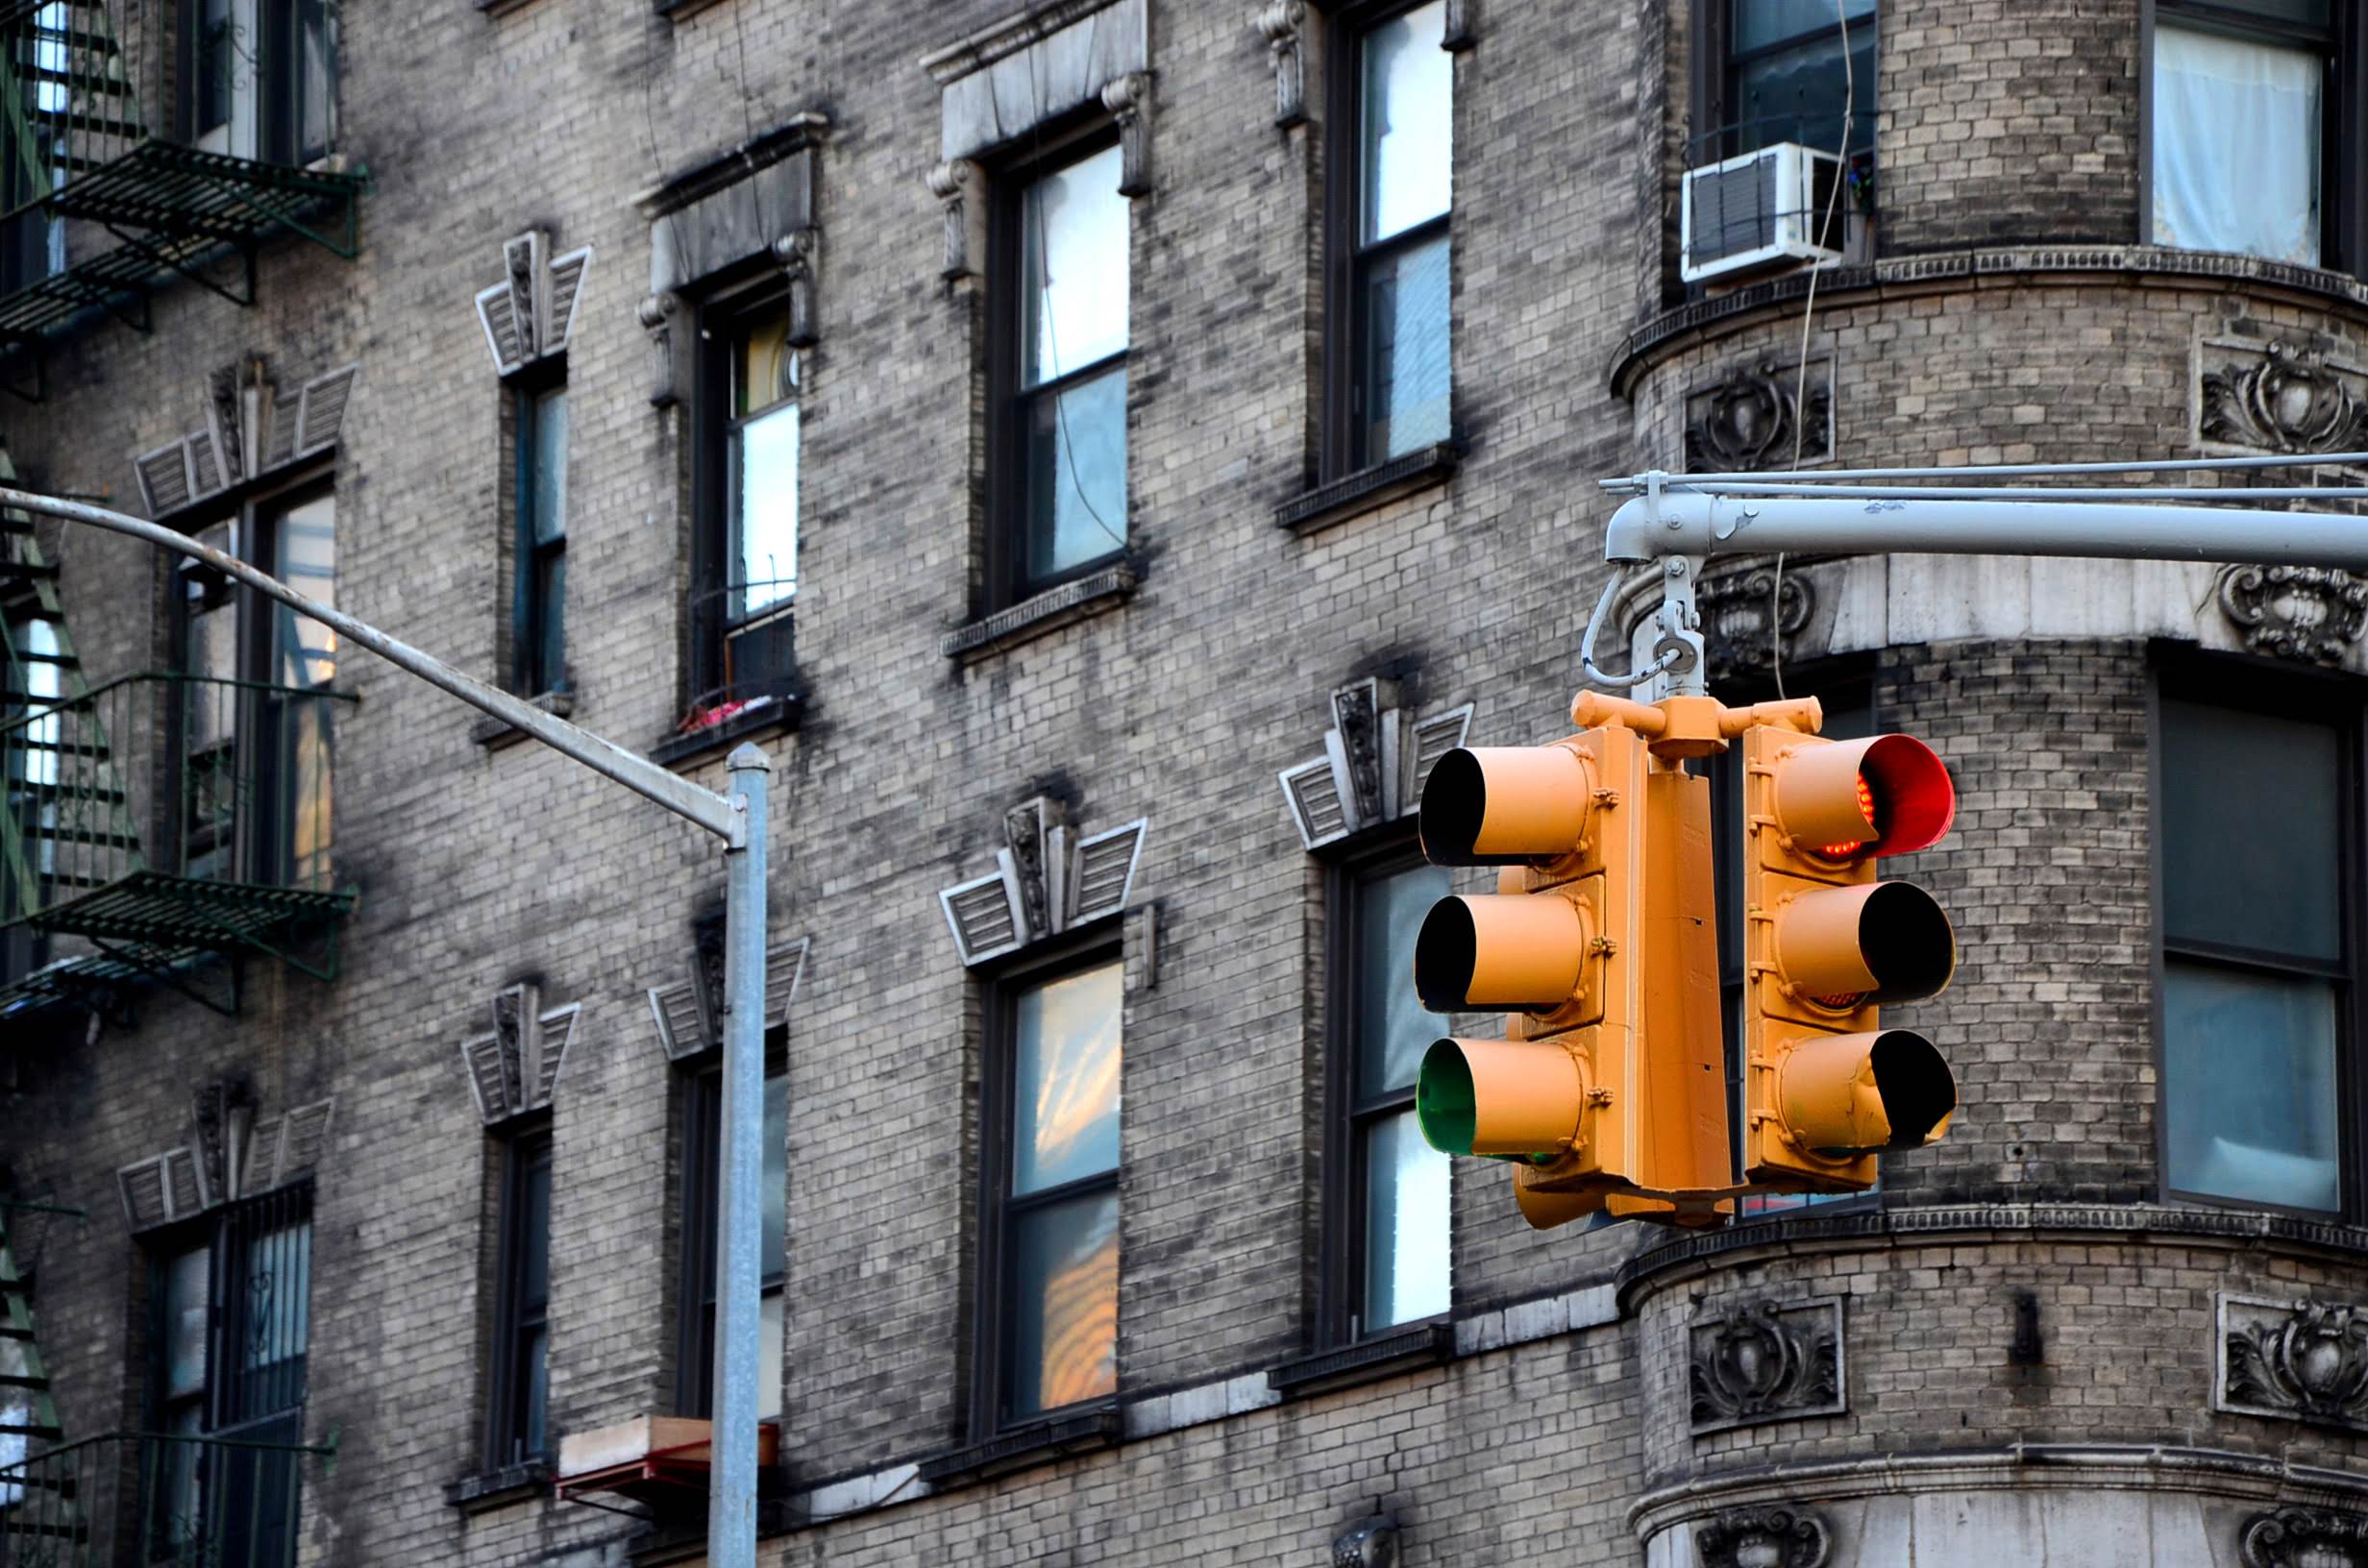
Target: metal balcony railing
x,y
158,1499
162,815
744,634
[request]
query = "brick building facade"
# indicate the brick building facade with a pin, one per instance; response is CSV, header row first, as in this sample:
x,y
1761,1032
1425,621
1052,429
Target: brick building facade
x,y
1116,663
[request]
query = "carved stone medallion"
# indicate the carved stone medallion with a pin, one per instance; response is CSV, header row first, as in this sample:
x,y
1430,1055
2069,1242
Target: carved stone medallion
x,y
1747,422
2312,614
1736,609
2281,397
2306,1539
1777,1536
1767,1361
2303,1361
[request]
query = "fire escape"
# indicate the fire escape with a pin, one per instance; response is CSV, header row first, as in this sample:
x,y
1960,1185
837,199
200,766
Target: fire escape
x,y
98,208
229,776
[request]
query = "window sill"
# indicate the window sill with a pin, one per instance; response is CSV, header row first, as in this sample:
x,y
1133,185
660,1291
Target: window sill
x,y
763,716
1048,611
675,10
486,1489
1369,489
1023,1449
493,734
1369,1360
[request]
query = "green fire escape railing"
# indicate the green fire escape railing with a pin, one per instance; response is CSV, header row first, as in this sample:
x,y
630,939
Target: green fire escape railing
x,y
100,204
165,1499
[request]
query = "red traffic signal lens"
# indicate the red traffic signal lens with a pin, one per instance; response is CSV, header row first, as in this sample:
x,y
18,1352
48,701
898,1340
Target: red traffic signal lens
x,y
1867,809
1905,790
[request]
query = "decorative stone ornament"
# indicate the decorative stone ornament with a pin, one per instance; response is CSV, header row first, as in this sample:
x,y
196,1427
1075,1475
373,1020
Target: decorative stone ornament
x,y
1129,99
1372,1543
1283,24
1765,1362
1747,422
962,185
238,1153
514,1068
689,1013
1779,1536
2277,396
2306,1539
2302,1360
1376,756
2310,614
1744,610
1047,880
530,315
251,430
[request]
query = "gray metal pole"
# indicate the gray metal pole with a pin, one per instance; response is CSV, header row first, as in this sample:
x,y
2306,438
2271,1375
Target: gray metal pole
x,y
731,1497
1698,525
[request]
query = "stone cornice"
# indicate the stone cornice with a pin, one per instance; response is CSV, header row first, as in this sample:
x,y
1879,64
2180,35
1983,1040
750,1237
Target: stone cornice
x,y
1897,277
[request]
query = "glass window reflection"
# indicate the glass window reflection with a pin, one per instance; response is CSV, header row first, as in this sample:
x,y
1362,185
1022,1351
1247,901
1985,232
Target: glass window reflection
x,y
1400,1214
1065,1105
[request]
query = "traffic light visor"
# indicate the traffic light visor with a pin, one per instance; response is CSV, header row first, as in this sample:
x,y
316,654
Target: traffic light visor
x,y
1503,805
1497,950
1498,1096
1888,795
1871,944
1846,1095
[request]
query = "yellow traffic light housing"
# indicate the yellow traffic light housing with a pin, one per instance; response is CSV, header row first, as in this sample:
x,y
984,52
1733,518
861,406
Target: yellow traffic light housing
x,y
1826,1087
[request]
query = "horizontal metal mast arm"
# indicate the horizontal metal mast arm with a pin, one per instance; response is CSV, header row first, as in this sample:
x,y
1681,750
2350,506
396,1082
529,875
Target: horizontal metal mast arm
x,y
635,771
1698,525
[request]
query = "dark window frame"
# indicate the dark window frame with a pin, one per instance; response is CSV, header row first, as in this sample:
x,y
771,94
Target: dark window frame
x,y
1090,947
2182,674
531,606
1043,153
525,1144
725,312
2343,104
1715,135
279,100
1341,1282
1347,263
699,1170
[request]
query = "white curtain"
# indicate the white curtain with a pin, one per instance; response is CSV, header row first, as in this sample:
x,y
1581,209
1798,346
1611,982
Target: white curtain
x,y
2235,146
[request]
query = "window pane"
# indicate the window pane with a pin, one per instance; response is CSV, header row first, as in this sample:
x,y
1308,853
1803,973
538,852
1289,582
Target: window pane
x,y
769,1316
771,1262
1062,1341
1065,1095
765,550
764,366
534,1230
277,1284
2236,131
1758,23
188,1285
2249,1096
317,52
533,1388
1409,92
1406,1183
1405,373
551,645
2248,833
1072,247
547,485
1795,93
304,652
1393,1028
1076,464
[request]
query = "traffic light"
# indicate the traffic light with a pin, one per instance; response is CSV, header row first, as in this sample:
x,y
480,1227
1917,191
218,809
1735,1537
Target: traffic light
x,y
1596,940
1825,1085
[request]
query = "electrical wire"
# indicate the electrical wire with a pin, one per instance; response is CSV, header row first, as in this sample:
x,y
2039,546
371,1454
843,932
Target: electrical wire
x,y
1594,624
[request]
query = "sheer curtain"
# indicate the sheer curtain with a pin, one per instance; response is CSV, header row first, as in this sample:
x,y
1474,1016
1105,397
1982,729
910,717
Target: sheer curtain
x,y
2236,133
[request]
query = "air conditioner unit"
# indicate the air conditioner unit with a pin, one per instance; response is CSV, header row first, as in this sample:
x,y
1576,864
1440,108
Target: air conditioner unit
x,y
1760,209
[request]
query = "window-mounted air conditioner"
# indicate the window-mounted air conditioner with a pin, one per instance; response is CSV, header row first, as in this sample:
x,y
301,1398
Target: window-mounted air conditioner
x,y
1760,209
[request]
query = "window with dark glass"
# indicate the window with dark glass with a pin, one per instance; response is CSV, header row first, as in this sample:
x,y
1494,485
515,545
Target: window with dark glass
x,y
1848,697
514,1429
2254,128
253,737
1060,366
231,1331
2256,803
1780,71
31,679
1391,195
258,78
539,588
1388,1261
746,566
703,1164
1050,1339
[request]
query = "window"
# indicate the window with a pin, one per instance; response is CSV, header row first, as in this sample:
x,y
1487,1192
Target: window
x,y
1051,1211
747,563
1848,696
701,1163
1060,361
30,678
231,1331
252,738
538,564
1773,71
515,1430
2254,802
1391,190
1388,1220
258,78
2255,129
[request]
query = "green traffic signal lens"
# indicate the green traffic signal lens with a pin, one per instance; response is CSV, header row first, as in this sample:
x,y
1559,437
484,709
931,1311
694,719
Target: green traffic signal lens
x,y
1445,1106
